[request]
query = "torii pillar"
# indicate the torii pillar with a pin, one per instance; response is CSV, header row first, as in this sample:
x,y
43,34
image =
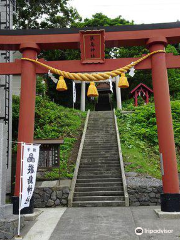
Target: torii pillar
x,y
170,199
26,113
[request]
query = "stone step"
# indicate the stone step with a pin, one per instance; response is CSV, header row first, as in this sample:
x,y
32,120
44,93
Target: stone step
x,y
100,156
99,193
97,180
96,162
87,147
99,184
98,172
99,165
104,148
103,141
98,198
100,131
99,204
101,122
85,176
100,148
99,160
100,152
99,168
97,148
96,159
109,135
101,127
92,189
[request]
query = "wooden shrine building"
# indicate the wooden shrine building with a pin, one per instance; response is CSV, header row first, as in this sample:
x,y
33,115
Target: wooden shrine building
x,y
141,90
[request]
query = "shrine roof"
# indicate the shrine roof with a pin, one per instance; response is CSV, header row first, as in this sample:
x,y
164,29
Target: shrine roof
x,y
141,85
104,86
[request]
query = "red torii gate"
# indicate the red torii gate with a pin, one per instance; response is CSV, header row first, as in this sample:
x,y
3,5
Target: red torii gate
x,y
154,36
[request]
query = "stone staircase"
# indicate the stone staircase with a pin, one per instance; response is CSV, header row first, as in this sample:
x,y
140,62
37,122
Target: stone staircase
x,y
99,180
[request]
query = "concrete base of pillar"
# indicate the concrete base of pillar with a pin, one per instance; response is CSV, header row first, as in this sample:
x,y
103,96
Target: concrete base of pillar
x,y
6,210
167,215
32,216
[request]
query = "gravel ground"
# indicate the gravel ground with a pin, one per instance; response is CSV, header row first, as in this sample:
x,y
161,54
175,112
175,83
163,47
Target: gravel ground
x,y
143,181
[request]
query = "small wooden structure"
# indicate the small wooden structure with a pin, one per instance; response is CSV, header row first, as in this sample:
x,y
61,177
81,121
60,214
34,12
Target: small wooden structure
x,y
49,156
143,91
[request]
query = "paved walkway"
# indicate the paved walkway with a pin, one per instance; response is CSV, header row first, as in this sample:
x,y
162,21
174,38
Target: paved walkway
x,y
103,223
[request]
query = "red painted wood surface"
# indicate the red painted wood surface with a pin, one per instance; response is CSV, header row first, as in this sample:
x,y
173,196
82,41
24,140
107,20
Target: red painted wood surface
x,y
71,41
92,46
27,108
164,120
14,68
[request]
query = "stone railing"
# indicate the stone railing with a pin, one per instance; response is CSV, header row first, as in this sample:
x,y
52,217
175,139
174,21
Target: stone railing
x,y
121,163
70,198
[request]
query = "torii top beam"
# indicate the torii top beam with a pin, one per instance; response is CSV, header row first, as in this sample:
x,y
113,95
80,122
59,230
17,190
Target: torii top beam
x,y
68,38
128,35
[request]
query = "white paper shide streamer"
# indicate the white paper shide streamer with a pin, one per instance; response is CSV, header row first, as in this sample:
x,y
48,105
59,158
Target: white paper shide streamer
x,y
55,80
132,71
74,92
29,170
111,86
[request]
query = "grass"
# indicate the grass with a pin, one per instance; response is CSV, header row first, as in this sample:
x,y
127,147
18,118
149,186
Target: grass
x,y
138,133
53,121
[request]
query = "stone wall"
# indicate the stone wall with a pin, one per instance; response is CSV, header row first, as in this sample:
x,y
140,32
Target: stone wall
x,y
9,227
52,195
144,191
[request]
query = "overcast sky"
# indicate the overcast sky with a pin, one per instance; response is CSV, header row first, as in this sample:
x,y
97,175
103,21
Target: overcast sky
x,y
141,11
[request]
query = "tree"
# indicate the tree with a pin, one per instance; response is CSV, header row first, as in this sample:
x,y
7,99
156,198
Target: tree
x,y
101,20
44,14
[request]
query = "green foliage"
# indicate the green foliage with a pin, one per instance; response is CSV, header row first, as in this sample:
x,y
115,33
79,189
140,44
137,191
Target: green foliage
x,y
51,120
99,19
138,132
66,168
41,87
44,14
54,121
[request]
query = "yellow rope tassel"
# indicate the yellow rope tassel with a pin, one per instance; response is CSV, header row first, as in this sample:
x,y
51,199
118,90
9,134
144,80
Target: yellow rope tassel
x,y
61,85
92,90
123,82
94,76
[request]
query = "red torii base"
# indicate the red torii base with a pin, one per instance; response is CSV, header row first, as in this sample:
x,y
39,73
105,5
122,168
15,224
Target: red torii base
x,y
134,35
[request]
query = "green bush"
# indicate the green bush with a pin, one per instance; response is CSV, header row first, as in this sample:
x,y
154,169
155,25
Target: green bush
x,y
138,132
54,121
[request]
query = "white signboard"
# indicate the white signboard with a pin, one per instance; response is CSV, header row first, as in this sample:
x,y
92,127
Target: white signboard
x,y
29,168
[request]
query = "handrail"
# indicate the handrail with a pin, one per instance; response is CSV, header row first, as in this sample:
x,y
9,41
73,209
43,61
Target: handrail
x,y
71,194
121,162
